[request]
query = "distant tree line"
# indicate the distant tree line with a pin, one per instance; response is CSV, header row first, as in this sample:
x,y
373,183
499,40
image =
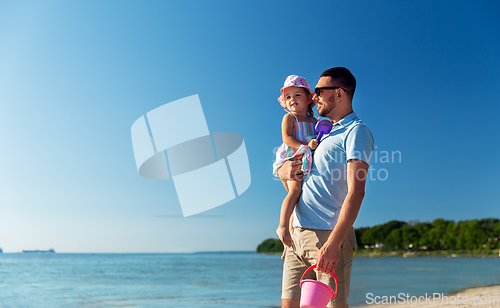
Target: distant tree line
x,y
270,246
483,234
441,234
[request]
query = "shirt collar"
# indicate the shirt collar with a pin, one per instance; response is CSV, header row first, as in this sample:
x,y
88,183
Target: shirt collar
x,y
347,119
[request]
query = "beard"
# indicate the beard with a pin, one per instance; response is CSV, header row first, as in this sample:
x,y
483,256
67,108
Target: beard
x,y
326,108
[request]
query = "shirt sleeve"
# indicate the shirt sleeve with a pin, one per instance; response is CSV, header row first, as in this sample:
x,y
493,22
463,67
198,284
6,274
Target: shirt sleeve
x,y
359,144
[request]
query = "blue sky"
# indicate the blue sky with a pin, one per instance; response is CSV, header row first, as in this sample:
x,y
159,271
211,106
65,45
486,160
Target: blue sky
x,y
74,76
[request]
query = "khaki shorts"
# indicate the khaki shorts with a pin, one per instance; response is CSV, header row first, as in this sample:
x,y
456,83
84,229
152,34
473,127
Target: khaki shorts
x,y
303,254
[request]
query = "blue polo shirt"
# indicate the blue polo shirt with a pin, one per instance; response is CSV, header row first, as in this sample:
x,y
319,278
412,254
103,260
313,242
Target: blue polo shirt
x,y
325,187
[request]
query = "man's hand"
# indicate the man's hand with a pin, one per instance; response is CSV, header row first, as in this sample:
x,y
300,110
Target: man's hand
x,y
328,257
291,170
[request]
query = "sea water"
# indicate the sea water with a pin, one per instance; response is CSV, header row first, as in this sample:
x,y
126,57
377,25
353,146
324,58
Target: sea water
x,y
212,279
140,280
391,276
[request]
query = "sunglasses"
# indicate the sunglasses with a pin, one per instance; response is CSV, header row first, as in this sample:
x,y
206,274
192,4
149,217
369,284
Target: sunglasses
x,y
318,90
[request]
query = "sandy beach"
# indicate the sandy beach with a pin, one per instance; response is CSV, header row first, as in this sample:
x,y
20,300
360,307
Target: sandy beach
x,y
480,297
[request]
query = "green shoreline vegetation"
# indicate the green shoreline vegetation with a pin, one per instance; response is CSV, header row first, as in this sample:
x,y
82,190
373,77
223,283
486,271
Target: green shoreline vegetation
x,y
441,238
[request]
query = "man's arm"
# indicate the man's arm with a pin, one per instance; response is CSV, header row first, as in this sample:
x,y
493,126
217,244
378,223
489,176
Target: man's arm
x,y
328,255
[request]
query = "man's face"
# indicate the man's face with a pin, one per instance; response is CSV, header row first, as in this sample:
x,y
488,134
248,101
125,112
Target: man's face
x,y
326,98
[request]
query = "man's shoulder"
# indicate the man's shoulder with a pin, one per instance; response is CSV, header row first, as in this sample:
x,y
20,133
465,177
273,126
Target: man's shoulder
x,y
358,131
357,126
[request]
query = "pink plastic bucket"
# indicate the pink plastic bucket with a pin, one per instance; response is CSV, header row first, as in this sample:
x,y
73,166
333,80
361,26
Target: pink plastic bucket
x,y
314,293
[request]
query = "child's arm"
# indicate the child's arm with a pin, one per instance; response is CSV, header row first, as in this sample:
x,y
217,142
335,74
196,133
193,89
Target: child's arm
x,y
287,131
313,144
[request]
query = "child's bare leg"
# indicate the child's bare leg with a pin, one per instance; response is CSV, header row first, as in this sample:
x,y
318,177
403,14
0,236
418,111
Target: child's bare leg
x,y
284,249
285,184
283,231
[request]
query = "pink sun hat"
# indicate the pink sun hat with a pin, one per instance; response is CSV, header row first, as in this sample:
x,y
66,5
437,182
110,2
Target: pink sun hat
x,y
293,81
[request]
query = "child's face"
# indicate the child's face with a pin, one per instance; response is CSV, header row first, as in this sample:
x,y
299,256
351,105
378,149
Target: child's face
x,y
297,99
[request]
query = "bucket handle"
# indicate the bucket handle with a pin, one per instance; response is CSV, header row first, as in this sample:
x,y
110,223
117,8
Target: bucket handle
x,y
334,277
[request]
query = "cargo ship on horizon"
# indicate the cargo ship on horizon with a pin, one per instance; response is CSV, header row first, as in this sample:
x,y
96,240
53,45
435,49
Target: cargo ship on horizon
x,y
38,251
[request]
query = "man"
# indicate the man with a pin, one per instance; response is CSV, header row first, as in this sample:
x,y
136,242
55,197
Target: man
x,y
332,193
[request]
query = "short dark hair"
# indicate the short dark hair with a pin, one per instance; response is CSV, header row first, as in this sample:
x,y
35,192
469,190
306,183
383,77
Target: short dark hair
x,y
343,77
